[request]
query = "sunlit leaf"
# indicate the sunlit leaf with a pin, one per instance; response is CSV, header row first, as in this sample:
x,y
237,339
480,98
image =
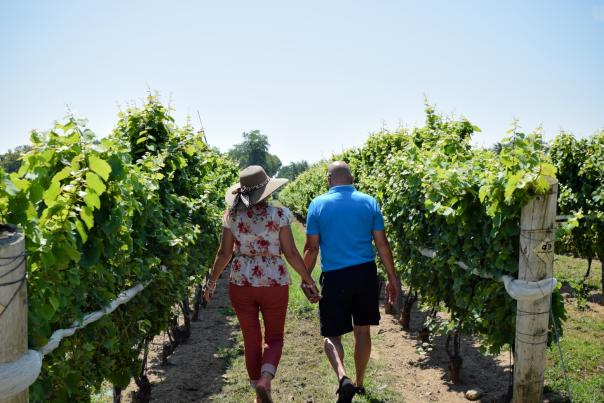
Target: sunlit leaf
x,y
92,200
102,168
95,183
87,216
81,230
51,194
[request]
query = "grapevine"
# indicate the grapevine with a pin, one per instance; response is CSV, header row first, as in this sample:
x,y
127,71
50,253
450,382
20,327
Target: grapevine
x,y
438,192
100,216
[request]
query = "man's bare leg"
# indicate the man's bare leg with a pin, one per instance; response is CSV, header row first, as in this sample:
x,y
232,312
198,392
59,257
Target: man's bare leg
x,y
362,351
335,354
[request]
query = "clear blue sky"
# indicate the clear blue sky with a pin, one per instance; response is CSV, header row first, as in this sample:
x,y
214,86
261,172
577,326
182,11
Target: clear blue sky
x,y
315,76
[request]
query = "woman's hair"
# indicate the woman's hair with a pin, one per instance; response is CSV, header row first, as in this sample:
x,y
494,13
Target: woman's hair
x,y
233,209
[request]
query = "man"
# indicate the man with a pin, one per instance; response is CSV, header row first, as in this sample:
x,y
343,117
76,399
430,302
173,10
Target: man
x,y
342,224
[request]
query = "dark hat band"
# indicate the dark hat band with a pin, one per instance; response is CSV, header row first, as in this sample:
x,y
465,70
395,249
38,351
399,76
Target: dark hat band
x,y
248,189
243,193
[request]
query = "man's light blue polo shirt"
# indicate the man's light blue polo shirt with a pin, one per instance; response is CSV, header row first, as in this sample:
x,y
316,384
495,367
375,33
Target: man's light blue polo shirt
x,y
344,219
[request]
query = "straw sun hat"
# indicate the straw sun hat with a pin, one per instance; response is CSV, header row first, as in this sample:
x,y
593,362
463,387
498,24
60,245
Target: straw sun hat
x,y
253,187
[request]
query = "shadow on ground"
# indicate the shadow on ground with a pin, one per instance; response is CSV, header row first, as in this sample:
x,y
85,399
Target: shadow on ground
x,y
596,298
492,374
195,370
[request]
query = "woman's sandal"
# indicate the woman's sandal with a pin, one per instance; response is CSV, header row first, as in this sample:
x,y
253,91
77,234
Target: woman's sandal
x,y
263,393
359,390
346,390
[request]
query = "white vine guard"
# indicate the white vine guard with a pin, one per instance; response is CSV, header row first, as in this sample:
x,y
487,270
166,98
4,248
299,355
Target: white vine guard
x,y
517,289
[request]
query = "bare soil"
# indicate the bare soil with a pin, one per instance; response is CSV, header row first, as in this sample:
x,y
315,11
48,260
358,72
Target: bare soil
x,y
209,367
195,370
425,377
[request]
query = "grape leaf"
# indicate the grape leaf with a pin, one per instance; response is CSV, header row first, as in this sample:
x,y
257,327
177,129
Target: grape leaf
x,y
101,167
95,183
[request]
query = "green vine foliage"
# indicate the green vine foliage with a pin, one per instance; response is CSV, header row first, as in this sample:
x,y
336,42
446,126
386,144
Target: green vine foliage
x,y
580,164
440,193
4,195
298,194
141,205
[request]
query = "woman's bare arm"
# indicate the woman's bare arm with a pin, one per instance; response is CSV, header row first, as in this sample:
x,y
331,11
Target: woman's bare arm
x,y
288,247
223,256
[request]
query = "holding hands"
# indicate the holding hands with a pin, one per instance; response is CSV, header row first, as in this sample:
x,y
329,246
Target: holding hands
x,y
310,290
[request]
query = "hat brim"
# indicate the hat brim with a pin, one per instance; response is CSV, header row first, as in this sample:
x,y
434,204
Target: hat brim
x,y
257,195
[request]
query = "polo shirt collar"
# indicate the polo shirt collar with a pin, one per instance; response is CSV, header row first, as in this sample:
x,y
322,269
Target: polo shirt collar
x,y
342,188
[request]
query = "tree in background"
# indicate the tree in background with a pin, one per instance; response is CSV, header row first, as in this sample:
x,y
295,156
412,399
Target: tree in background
x,y
254,151
273,163
292,170
10,161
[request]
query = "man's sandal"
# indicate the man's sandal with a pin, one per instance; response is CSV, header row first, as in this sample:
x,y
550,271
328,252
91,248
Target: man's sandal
x,y
346,390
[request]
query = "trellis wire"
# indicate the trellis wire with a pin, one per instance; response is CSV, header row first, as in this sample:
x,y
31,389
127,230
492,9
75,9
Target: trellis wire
x,y
20,374
517,289
557,340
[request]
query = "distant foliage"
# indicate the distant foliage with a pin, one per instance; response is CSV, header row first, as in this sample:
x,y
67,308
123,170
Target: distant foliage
x,y
293,170
254,151
580,164
10,161
143,204
298,194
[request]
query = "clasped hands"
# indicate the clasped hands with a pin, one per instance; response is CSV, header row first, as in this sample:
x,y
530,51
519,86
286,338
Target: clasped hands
x,y
311,291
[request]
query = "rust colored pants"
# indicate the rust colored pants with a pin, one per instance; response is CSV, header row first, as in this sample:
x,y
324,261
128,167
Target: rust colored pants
x,y
248,302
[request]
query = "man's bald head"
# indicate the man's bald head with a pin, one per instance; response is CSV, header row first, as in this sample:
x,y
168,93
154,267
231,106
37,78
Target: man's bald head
x,y
339,174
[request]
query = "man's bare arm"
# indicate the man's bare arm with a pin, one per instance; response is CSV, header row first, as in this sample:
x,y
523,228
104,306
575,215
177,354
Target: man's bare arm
x,y
311,251
383,247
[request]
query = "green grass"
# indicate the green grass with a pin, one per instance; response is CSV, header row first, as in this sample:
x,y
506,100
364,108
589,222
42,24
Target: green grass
x,y
298,304
572,270
583,351
583,341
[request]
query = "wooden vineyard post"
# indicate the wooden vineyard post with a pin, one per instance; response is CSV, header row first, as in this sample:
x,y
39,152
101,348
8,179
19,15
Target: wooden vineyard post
x,y
13,301
536,261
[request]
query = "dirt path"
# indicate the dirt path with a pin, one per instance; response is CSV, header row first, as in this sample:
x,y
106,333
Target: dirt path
x,y
209,367
424,377
196,369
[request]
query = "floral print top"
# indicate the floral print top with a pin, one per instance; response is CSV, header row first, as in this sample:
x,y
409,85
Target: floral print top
x,y
257,258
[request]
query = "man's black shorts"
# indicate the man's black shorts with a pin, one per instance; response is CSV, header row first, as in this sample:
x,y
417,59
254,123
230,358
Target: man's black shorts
x,y
350,296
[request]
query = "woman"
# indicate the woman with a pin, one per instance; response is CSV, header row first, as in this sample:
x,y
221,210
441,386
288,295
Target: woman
x,y
257,234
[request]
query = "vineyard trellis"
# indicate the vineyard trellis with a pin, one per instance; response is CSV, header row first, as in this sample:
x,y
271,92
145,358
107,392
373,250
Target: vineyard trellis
x,y
140,206
17,375
580,164
460,206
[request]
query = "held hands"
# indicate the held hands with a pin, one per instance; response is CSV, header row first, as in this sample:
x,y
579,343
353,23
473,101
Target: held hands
x,y
392,290
310,291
